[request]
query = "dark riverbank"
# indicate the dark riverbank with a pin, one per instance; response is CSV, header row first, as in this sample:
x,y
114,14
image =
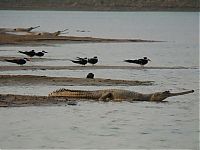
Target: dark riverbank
x,y
102,5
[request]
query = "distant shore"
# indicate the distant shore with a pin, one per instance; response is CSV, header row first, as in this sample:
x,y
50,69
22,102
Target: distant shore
x,y
101,5
108,10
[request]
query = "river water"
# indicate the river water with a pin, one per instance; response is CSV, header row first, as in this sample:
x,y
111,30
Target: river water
x,y
138,125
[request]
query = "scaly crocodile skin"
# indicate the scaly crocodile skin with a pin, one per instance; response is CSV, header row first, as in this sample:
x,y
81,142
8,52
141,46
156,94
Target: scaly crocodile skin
x,y
115,95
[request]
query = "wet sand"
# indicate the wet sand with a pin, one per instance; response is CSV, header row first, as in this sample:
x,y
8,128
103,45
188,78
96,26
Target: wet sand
x,y
22,80
14,68
10,100
6,38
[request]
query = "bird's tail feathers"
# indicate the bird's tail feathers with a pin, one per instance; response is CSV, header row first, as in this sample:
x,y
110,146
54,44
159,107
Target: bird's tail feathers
x,y
130,61
70,59
8,60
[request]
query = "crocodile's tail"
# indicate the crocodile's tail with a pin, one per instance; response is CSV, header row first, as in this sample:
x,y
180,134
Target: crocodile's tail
x,y
75,94
57,91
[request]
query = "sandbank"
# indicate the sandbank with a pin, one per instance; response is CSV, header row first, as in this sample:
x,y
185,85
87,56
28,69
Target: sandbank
x,y
78,67
6,38
22,80
10,100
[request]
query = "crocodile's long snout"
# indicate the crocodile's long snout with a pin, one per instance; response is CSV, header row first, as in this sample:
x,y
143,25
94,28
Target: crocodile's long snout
x,y
180,93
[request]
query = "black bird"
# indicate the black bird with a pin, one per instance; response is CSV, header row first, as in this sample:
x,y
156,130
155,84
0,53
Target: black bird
x,y
79,60
143,61
90,76
20,61
40,54
93,60
28,53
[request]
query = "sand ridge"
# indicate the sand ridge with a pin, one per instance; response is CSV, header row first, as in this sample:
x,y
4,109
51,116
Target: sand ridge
x,y
21,80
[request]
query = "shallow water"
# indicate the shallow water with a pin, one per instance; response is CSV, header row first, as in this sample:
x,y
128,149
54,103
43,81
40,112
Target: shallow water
x,y
109,125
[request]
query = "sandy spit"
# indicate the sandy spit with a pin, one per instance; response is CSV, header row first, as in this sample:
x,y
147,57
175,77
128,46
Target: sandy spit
x,y
6,38
21,80
9,100
14,68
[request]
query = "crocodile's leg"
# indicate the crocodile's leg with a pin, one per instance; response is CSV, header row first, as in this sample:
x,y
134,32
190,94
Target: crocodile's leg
x,y
106,97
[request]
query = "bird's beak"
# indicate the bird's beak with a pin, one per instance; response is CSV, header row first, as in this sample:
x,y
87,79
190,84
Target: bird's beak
x,y
149,60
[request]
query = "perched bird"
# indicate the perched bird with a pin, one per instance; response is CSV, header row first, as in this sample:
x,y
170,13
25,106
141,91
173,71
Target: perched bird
x,y
90,76
20,61
143,61
79,60
93,60
28,53
40,54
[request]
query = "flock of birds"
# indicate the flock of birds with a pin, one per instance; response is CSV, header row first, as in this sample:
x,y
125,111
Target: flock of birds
x,y
83,61
79,60
22,61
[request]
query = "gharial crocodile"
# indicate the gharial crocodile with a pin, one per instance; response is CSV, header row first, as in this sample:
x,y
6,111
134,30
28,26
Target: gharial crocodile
x,y
115,95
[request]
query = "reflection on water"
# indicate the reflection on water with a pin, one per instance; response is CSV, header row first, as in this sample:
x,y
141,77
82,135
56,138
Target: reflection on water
x,y
109,125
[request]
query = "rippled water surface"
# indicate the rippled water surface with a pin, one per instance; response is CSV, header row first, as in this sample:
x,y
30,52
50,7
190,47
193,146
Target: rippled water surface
x,y
174,124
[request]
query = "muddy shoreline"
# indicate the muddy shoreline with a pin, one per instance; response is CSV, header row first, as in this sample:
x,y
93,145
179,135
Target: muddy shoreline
x,y
15,68
22,80
11,100
14,39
